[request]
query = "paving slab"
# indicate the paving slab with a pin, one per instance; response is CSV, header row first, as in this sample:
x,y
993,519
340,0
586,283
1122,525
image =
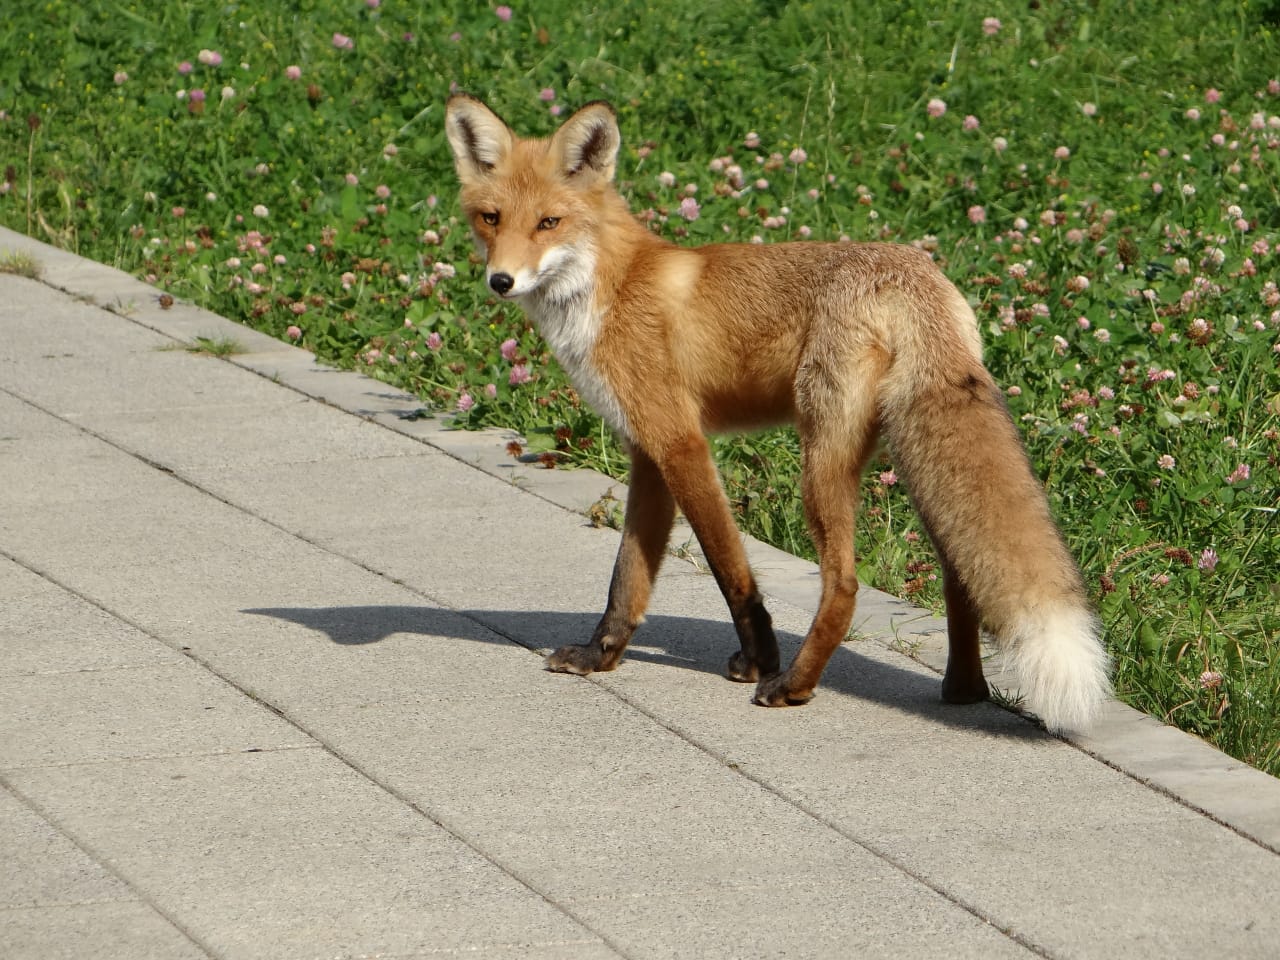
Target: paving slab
x,y
361,597
56,901
294,850
127,929
474,711
44,631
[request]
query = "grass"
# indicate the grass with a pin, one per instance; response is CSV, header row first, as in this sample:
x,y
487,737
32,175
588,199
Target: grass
x,y
215,346
20,265
1101,179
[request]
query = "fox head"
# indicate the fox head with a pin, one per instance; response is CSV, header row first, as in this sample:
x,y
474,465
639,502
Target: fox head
x,y
534,206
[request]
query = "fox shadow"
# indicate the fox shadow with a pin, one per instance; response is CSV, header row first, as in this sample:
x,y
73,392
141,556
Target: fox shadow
x,y
686,643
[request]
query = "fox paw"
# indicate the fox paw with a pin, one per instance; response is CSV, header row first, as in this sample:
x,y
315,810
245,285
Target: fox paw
x,y
581,658
775,691
742,670
964,690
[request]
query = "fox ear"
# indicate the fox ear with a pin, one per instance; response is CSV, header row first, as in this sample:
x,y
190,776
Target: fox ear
x,y
588,141
480,139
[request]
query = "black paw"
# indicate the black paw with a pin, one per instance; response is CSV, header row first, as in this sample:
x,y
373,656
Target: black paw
x,y
776,691
966,690
742,670
581,658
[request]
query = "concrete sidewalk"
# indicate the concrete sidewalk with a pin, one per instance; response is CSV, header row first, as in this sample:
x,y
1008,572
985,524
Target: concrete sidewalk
x,y
270,688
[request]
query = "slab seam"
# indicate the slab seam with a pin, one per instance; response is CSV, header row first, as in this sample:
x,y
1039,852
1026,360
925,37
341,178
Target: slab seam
x,y
146,757
104,864
1168,793
64,904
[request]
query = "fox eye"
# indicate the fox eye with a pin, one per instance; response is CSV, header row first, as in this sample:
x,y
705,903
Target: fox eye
x,y
548,223
490,219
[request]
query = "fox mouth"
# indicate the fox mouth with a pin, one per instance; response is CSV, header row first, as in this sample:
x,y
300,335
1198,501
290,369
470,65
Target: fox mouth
x,y
558,266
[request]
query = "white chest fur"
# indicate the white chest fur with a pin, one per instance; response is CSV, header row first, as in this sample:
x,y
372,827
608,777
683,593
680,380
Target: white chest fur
x,y
563,307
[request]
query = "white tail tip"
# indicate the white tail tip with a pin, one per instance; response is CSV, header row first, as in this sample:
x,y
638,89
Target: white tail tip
x,y
1062,668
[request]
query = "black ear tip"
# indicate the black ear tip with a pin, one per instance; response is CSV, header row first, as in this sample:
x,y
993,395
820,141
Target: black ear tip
x,y
601,103
459,96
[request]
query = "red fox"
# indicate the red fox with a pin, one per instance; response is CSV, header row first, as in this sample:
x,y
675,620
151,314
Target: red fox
x,y
846,340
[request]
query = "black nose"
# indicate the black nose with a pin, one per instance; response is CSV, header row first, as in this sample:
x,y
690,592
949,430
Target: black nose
x,y
501,283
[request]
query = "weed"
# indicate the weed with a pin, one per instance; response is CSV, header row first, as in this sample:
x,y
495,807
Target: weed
x,y
215,346
1009,699
20,264
606,512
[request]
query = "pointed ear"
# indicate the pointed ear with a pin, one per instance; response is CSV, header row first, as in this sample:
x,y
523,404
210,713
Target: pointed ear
x,y
588,141
480,139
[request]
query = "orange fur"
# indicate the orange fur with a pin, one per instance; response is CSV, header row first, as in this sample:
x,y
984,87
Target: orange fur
x,y
847,341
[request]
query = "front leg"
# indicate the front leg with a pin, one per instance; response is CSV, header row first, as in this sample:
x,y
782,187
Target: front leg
x,y
645,531
691,476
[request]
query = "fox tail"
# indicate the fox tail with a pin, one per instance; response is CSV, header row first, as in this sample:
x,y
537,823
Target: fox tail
x,y
963,461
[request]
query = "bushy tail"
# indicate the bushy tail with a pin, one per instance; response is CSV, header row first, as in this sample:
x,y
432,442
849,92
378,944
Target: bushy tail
x,y
963,462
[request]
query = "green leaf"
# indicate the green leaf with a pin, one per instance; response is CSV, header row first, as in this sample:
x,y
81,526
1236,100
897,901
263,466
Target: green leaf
x,y
1147,638
350,209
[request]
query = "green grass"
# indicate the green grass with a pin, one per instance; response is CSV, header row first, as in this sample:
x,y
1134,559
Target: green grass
x,y
220,347
1113,216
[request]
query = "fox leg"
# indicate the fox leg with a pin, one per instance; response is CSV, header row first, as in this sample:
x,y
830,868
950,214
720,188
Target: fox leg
x,y
830,487
838,430
650,513
963,682
691,476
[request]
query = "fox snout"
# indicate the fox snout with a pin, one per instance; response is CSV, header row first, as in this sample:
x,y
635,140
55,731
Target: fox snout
x,y
501,283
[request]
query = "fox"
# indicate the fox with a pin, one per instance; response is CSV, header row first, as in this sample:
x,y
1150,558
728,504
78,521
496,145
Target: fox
x,y
853,343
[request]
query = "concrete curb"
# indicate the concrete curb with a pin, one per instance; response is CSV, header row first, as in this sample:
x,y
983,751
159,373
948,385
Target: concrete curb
x,y
1155,754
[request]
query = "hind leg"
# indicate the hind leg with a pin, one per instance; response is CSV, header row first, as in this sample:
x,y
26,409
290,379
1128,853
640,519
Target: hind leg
x,y
830,497
836,448
963,682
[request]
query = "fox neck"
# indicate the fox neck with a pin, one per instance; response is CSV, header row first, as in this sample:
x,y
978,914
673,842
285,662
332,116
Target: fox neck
x,y
564,306
569,318
571,308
